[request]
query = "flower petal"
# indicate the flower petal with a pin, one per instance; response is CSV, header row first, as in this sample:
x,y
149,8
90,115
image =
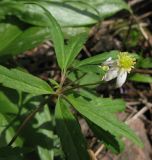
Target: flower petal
x,y
110,62
109,59
111,74
121,78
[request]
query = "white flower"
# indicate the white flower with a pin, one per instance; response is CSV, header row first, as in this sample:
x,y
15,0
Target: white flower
x,y
118,68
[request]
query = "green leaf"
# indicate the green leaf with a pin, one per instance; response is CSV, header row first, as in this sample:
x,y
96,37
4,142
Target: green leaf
x,y
111,142
13,40
7,132
8,33
56,34
97,59
44,122
90,78
41,129
74,47
103,104
69,131
82,15
8,113
146,62
90,68
54,83
108,8
89,94
108,104
23,81
104,119
29,39
6,105
82,12
73,31
143,78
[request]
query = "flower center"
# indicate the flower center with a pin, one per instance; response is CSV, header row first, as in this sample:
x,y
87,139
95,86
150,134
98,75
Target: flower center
x,y
126,61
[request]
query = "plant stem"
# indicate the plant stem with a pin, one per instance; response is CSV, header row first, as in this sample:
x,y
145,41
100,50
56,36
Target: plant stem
x,y
27,119
63,77
73,82
83,85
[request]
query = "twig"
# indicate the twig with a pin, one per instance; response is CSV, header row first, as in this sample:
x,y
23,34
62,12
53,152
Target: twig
x,y
143,110
142,30
99,150
86,51
145,15
92,155
143,71
138,114
134,2
132,103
